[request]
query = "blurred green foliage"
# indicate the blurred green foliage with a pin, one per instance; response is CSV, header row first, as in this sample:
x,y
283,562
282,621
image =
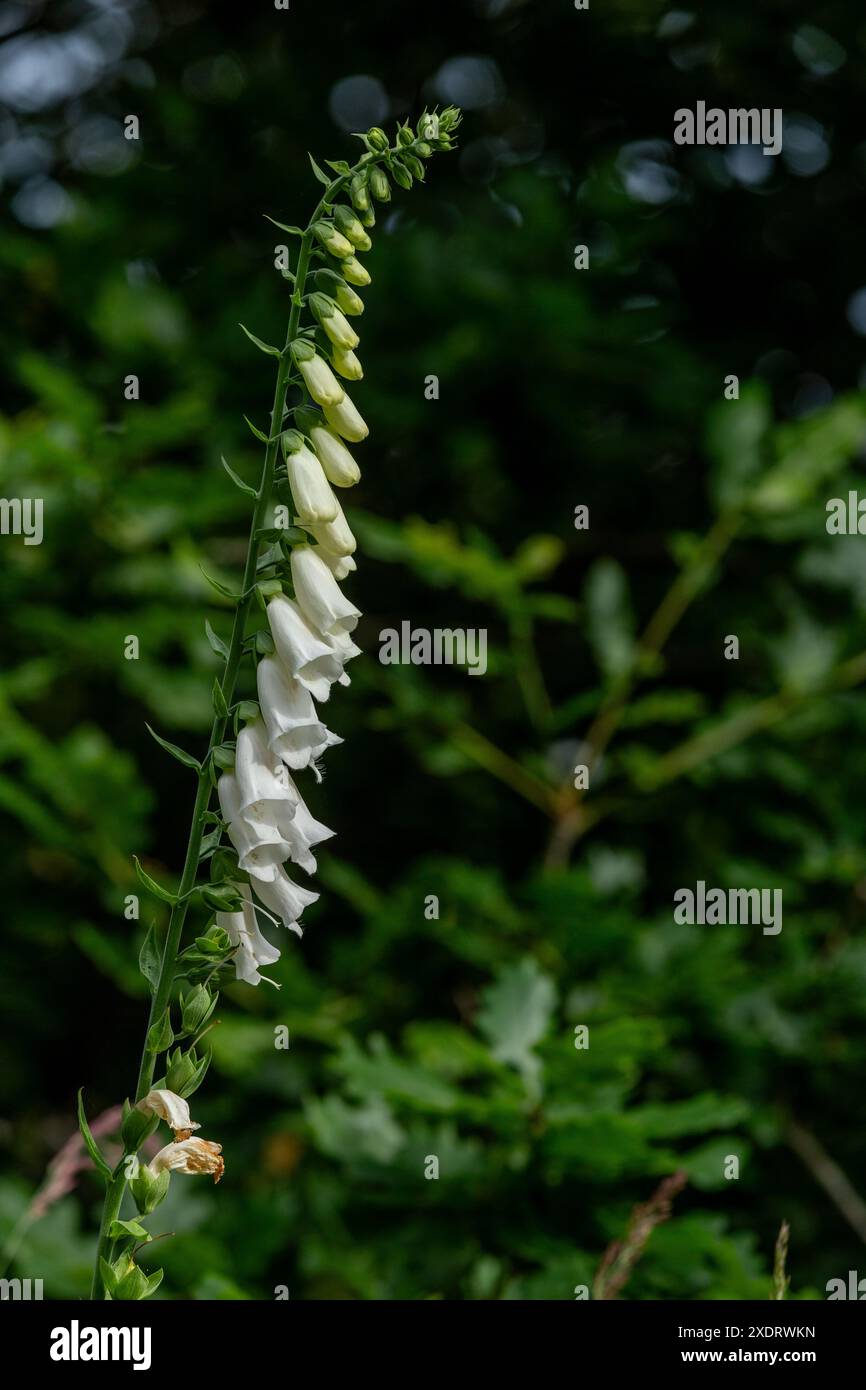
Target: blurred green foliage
x,y
415,1035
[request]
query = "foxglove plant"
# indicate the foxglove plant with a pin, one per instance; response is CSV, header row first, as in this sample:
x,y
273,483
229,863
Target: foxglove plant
x,y
295,573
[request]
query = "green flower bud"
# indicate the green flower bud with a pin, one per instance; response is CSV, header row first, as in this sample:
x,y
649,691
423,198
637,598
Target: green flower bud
x,y
351,228
331,239
149,1189
415,167
404,135
336,326
358,192
368,216
196,1008
221,897
135,1128
356,274
161,1035
424,149
379,186
180,1072
129,1284
346,363
377,139
348,300
401,175
450,118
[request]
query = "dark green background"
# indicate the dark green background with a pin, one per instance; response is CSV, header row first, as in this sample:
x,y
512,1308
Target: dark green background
x,y
558,387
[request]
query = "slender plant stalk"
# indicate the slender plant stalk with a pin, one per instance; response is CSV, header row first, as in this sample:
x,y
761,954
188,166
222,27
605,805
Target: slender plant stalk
x,y
116,1181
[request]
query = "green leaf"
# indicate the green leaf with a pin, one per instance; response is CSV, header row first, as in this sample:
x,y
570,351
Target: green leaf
x,y
152,886
319,173
238,482
186,758
515,1015
283,226
217,644
219,701
89,1142
122,1230
257,432
150,957
220,588
262,346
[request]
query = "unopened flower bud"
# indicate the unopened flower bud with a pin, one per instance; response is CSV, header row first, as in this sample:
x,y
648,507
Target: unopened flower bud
x,y
339,467
331,239
377,139
148,1188
346,421
338,329
401,175
358,192
424,149
347,364
379,186
404,135
368,216
320,381
415,167
181,1070
348,224
355,272
196,1009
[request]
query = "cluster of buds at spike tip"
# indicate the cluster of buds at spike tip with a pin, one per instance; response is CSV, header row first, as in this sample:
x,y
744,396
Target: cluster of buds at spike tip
x,y
310,620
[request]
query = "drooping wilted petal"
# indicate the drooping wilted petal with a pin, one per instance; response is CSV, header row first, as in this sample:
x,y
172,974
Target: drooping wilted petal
x,y
171,1108
189,1156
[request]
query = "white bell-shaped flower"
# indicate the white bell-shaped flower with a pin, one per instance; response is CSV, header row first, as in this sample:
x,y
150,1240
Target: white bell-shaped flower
x,y
338,465
307,656
335,535
319,596
313,498
295,733
253,949
286,899
344,418
261,848
263,792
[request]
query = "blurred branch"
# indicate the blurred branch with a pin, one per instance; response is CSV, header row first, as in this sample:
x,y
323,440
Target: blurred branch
x,y
828,1175
620,1258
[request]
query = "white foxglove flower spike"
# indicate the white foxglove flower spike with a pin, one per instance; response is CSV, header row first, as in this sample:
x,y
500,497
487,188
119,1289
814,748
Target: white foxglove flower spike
x,y
319,595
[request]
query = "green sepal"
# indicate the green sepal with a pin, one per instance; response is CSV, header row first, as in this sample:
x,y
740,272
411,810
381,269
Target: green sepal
x,y
221,709
264,642
128,1230
224,756
152,886
223,897
248,709
238,482
89,1142
135,1128
161,1035
186,758
262,346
